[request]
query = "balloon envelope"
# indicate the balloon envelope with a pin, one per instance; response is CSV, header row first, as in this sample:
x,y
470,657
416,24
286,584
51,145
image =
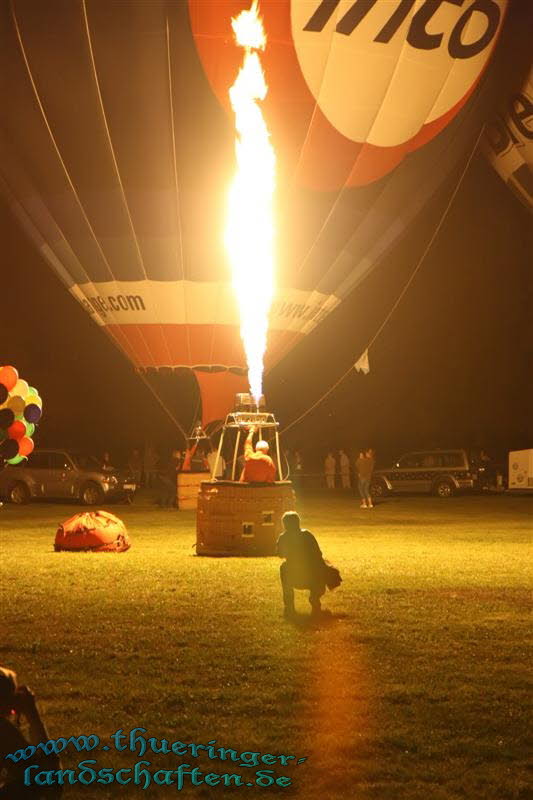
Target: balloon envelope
x,y
120,173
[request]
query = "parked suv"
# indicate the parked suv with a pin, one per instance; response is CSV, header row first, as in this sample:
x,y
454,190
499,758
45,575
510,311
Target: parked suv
x,y
439,472
59,475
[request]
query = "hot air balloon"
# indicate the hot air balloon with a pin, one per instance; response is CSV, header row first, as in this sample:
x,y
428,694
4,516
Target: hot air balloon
x,y
118,148
508,142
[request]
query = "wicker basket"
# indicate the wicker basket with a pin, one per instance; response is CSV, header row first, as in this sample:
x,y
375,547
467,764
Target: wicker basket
x,y
188,488
241,519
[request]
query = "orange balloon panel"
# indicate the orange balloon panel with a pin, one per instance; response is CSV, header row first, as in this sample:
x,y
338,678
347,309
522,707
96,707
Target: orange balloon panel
x,y
193,345
218,390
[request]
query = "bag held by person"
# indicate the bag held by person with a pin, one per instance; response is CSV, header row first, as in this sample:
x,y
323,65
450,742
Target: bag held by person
x,y
332,576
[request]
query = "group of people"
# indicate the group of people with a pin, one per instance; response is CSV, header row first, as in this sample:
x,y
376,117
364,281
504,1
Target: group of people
x,y
193,459
341,466
147,469
142,467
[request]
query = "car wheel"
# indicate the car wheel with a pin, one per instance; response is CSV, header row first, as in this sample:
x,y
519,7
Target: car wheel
x,y
19,493
444,489
91,494
378,488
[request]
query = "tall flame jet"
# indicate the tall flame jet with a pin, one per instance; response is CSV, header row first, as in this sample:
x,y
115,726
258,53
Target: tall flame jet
x,y
250,230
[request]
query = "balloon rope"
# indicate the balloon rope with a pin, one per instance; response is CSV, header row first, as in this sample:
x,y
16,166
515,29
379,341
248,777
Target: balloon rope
x,y
163,406
197,410
402,293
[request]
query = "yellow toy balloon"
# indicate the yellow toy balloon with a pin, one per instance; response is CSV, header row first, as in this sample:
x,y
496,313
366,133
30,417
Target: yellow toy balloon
x,y
35,399
21,388
16,404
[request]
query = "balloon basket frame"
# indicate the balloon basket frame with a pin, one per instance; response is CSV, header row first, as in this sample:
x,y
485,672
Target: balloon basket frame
x,y
237,424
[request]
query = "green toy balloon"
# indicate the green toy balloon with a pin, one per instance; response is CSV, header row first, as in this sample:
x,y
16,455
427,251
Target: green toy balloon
x,y
16,460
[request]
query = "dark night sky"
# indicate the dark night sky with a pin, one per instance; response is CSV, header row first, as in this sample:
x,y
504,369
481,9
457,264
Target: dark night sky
x,y
451,366
449,369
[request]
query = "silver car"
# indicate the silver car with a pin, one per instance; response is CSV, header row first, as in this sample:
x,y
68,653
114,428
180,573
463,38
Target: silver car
x,y
438,472
61,475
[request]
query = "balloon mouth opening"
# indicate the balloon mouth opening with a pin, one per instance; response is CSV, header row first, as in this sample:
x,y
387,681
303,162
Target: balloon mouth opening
x,y
186,368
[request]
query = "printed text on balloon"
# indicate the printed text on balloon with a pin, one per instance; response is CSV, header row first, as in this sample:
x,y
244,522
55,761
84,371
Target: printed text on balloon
x,y
418,35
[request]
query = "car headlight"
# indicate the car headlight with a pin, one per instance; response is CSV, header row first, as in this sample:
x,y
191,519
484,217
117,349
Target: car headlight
x,y
110,480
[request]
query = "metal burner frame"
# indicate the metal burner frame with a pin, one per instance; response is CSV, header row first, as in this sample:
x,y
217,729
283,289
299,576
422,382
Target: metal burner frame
x,y
240,421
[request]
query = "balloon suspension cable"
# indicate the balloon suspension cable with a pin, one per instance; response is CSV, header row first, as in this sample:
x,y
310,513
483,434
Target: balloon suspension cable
x,y
404,290
195,422
164,407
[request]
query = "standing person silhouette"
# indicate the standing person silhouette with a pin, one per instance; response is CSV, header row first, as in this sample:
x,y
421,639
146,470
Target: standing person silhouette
x,y
297,469
344,462
150,465
365,466
330,468
221,464
106,465
135,466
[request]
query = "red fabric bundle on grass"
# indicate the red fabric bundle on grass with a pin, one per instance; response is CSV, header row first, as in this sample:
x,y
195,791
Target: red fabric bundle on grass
x,y
94,531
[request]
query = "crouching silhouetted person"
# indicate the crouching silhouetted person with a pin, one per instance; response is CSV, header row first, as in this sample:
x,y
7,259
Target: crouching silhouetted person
x,y
303,568
18,703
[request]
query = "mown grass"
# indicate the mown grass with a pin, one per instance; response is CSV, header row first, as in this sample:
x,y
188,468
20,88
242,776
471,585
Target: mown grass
x,y
415,688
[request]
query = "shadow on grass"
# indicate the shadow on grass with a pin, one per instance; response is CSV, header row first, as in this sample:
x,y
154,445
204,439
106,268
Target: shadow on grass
x,y
306,622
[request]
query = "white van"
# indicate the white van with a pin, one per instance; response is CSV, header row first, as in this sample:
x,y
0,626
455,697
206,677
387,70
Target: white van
x,y
521,469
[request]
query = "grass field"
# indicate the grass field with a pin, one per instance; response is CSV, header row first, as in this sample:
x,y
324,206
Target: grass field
x,y
414,689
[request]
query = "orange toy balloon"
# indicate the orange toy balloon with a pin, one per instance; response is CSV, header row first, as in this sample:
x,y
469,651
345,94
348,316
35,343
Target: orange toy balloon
x,y
25,446
8,376
16,430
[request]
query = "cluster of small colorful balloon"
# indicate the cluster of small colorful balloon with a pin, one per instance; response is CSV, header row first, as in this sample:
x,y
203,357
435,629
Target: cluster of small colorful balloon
x,y
20,411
